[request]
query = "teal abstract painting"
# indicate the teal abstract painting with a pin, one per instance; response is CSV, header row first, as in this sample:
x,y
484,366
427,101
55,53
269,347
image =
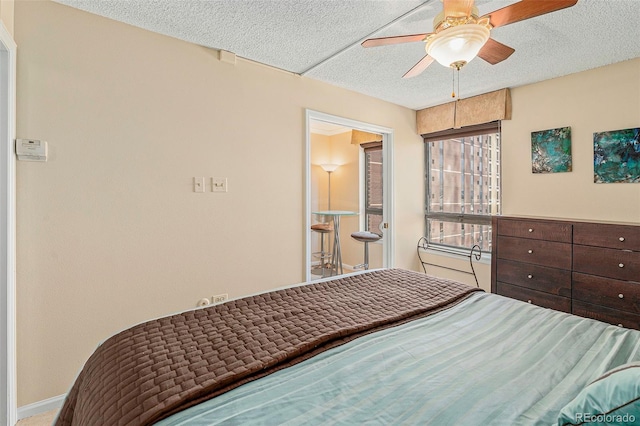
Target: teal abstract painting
x,y
551,150
616,156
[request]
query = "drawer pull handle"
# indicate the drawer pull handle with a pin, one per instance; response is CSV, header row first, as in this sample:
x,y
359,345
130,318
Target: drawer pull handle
x,y
531,251
621,239
620,265
530,229
529,301
529,276
621,296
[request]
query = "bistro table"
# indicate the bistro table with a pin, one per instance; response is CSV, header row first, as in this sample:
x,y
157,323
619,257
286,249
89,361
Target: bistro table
x,y
336,256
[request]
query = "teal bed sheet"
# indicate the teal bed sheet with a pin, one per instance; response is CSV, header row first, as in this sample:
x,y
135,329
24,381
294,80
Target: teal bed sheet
x,y
488,360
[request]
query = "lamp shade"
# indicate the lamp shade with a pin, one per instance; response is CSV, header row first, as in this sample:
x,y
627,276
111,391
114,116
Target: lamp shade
x,y
457,45
329,167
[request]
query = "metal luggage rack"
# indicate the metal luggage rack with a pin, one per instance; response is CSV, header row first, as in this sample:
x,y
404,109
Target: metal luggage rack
x,y
474,252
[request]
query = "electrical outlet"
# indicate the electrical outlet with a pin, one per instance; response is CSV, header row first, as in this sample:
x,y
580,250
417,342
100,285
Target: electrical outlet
x,y
219,298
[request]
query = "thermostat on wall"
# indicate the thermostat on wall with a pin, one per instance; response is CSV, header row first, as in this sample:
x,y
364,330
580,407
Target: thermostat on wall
x,y
31,150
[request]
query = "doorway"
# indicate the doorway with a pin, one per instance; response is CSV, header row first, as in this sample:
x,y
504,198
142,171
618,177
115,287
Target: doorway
x,y
335,180
8,402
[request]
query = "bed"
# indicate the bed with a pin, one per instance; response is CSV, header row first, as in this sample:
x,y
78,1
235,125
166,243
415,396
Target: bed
x,y
387,346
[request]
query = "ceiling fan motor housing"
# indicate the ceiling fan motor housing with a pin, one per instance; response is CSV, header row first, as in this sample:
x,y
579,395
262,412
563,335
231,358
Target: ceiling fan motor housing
x,y
459,35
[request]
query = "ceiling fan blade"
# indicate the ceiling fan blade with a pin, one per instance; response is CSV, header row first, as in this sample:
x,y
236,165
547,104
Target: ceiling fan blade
x,y
495,52
419,67
457,8
384,41
526,9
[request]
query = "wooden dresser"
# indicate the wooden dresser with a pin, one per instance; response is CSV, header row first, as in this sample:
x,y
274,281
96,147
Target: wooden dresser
x,y
588,269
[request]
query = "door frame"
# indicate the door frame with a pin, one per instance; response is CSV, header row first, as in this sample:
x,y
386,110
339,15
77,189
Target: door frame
x,y
8,400
388,243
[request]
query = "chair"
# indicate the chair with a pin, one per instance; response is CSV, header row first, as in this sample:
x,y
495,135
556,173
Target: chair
x,y
324,229
365,237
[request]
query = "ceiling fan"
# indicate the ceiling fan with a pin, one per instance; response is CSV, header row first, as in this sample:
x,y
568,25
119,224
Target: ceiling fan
x,y
459,34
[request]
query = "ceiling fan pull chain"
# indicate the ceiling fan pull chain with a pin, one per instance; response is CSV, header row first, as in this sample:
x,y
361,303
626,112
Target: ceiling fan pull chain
x,y
453,95
453,83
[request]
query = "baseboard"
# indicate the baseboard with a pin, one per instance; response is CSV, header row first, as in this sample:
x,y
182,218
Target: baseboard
x,y
40,407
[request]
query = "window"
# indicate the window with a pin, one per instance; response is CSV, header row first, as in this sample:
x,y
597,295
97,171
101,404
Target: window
x,y
373,186
462,185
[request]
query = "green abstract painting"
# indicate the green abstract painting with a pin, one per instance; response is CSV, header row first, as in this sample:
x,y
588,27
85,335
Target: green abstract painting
x,y
551,150
616,156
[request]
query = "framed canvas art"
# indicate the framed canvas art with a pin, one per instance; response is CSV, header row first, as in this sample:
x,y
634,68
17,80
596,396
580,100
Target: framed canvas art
x,y
616,156
551,150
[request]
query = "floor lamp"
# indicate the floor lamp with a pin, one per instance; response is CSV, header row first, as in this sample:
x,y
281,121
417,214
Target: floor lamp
x,y
329,168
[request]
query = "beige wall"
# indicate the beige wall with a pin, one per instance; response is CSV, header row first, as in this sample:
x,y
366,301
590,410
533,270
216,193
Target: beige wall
x,y
110,232
345,193
606,98
320,153
602,99
6,14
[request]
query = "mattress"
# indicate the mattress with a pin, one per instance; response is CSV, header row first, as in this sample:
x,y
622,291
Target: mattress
x,y
488,360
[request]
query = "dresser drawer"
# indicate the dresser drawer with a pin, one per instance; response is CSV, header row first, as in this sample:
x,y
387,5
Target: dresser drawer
x,y
602,235
618,264
535,297
549,231
601,313
545,253
616,294
535,277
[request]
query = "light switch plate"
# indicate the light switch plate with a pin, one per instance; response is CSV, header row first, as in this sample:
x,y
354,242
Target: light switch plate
x,y
198,184
219,184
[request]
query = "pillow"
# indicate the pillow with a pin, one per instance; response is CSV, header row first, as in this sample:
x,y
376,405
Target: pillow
x,y
613,398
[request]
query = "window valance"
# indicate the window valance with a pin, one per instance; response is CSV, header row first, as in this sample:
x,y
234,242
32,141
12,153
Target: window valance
x,y
358,137
465,112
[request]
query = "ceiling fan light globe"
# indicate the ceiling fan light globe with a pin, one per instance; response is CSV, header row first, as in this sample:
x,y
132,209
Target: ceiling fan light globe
x,y
457,44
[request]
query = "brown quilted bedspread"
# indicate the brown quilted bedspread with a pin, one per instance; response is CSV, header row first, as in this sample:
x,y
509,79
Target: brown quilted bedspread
x,y
160,367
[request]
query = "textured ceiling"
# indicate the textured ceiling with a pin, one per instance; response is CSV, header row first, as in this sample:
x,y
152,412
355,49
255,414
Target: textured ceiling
x,y
320,39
